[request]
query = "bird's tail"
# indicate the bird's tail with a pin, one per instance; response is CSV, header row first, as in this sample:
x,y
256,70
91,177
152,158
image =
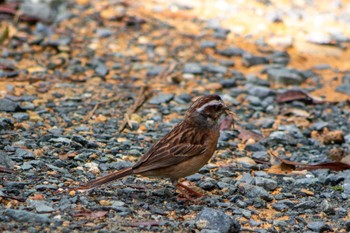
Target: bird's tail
x,y
105,179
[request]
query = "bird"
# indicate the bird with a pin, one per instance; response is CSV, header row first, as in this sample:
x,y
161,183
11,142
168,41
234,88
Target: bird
x,y
182,151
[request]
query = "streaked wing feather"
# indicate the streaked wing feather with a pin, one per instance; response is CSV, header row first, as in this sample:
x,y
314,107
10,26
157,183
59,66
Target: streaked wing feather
x,y
174,155
172,149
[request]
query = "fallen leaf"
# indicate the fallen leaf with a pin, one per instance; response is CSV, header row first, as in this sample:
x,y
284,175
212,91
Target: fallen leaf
x,y
335,166
90,214
299,95
247,134
6,170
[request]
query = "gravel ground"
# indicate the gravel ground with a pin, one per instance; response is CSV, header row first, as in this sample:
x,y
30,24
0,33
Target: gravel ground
x,y
69,77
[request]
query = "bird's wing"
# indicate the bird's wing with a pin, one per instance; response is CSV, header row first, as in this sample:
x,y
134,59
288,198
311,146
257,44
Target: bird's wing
x,y
173,148
169,156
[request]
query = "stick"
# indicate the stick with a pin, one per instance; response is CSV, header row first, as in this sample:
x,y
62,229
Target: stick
x,y
91,113
141,98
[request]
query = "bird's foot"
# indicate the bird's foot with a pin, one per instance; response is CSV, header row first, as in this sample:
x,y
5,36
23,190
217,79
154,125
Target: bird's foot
x,y
186,193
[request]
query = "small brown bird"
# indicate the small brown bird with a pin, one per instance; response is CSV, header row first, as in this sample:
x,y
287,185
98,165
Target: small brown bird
x,y
184,150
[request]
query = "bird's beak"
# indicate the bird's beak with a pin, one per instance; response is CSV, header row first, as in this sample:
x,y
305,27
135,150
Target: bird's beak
x,y
231,113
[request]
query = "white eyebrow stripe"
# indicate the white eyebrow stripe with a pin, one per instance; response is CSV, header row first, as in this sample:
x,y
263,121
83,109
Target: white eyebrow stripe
x,y
211,103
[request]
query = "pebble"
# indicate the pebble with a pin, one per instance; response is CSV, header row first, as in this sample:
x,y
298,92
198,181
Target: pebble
x,y
230,52
208,184
343,88
228,83
318,226
260,155
305,205
284,76
5,160
25,154
41,11
268,184
21,116
253,191
7,105
41,207
212,68
154,71
101,70
26,216
253,79
161,98
260,91
104,32
251,60
6,123
212,219
334,137
207,44
192,68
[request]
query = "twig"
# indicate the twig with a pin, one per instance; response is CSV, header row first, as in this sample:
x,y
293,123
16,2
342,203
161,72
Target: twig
x,y
141,98
91,113
6,170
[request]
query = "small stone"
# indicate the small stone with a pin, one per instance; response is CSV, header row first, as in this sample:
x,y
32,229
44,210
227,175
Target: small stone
x,y
25,154
42,207
259,91
41,11
334,137
80,139
61,140
284,76
215,68
7,105
305,205
208,44
72,193
319,125
192,68
104,32
228,83
253,191
230,52
318,226
15,185
212,219
161,98
6,123
268,184
247,161
280,207
343,88
26,216
101,70
154,71
282,137
253,79
5,160
105,203
21,116
306,181
318,38
347,225
251,60
260,155
208,184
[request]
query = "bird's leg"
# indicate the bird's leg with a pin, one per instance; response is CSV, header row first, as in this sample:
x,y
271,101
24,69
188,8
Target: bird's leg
x,y
185,190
